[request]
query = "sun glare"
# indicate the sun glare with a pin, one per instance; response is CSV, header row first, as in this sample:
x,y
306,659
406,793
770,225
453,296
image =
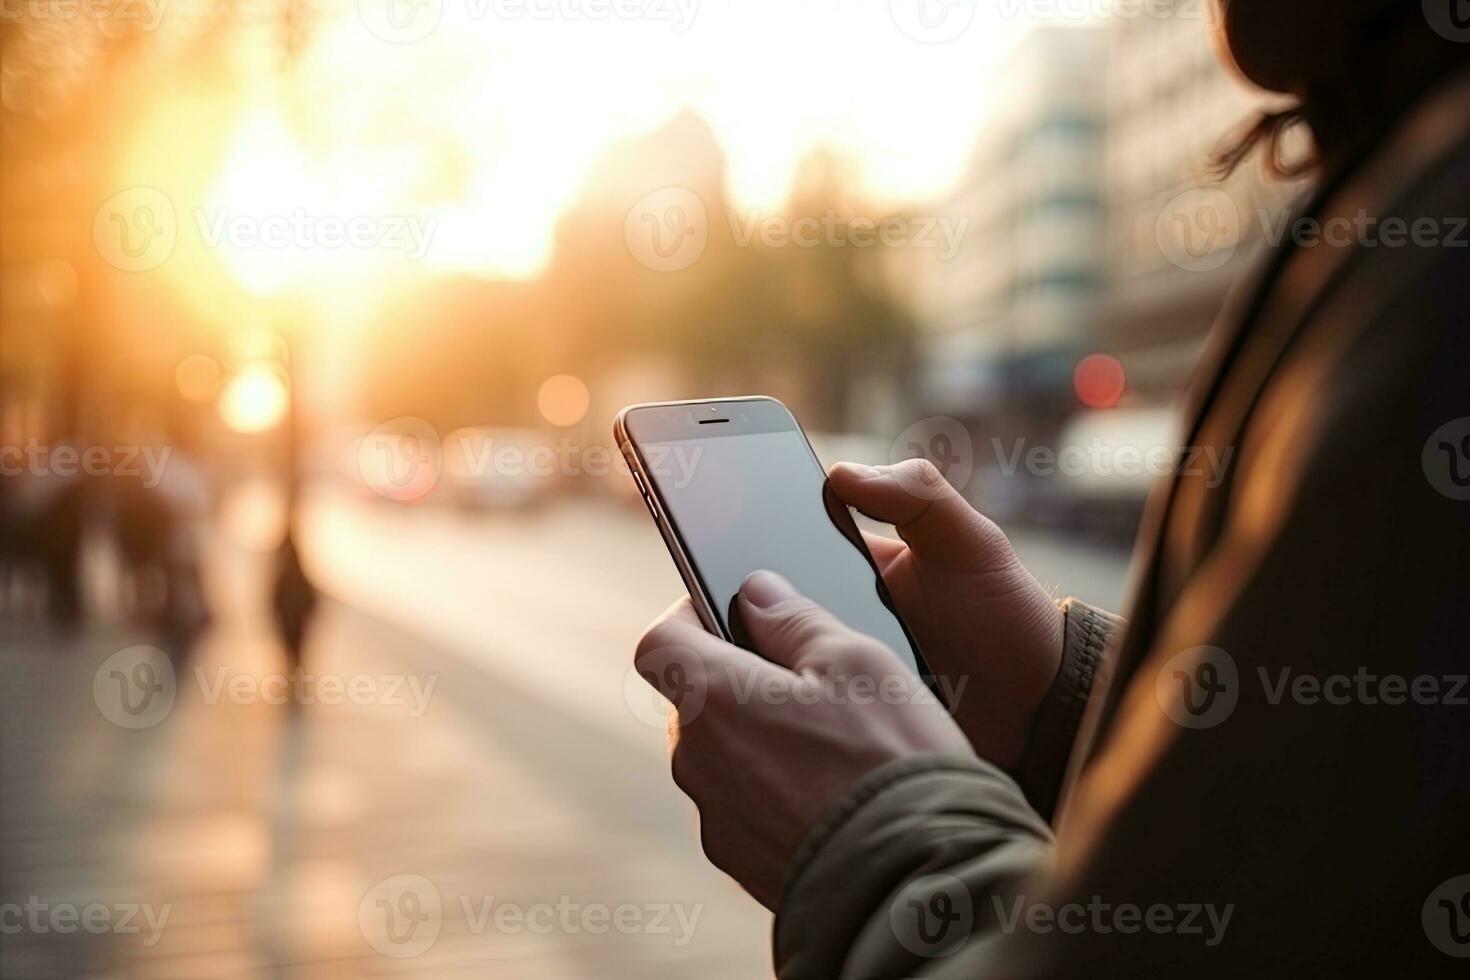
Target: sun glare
x,y
255,400
457,153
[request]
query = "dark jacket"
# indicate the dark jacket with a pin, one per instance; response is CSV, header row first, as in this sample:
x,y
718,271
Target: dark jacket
x,y
1270,773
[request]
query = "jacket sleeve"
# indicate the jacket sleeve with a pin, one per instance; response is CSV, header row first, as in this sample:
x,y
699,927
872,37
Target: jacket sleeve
x,y
1086,634
947,833
892,878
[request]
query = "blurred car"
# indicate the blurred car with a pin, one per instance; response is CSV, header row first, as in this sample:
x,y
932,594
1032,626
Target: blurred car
x,y
499,467
1107,460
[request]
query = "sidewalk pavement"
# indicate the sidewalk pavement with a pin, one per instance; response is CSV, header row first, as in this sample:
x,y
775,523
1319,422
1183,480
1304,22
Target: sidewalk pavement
x,y
417,816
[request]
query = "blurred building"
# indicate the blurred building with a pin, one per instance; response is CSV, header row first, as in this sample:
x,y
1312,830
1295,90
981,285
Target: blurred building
x,y
1005,315
1170,104
1094,228
1006,318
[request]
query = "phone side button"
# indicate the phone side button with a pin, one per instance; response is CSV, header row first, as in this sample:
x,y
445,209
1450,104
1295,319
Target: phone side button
x,y
641,488
652,507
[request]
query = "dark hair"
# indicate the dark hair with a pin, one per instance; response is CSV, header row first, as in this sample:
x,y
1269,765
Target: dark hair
x,y
1388,56
1267,132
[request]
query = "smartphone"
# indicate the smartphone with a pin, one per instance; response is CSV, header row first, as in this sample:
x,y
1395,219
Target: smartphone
x,y
734,486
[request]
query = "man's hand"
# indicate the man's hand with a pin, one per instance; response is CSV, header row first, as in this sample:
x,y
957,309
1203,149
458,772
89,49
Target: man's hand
x,y
980,618
765,746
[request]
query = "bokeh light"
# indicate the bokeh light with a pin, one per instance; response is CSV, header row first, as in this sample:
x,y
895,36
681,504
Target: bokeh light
x,y
1099,381
198,377
563,399
255,400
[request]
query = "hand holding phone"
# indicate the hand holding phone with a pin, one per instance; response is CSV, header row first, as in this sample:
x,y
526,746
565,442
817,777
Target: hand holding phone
x,y
734,487
990,634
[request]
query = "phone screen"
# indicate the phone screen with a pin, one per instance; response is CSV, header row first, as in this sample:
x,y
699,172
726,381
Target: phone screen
x,y
743,500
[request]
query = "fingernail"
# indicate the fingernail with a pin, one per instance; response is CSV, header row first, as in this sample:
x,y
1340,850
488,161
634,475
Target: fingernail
x,y
764,589
862,470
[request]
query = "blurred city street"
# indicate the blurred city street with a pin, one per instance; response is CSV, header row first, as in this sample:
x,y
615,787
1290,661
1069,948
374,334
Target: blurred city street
x,y
485,793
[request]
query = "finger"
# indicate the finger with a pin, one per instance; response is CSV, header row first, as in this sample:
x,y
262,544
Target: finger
x,y
674,625
669,656
930,515
883,549
681,660
787,627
